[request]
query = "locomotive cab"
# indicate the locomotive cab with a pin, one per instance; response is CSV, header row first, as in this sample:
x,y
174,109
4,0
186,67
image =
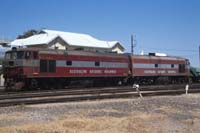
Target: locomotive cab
x,y
184,68
15,66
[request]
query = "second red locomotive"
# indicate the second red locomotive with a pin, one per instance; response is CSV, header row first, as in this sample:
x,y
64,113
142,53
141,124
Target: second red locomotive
x,y
46,68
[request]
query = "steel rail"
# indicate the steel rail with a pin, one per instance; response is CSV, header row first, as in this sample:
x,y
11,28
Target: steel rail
x,y
89,96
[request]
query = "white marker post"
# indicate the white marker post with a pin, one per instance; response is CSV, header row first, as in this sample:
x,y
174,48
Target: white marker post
x,y
186,89
136,86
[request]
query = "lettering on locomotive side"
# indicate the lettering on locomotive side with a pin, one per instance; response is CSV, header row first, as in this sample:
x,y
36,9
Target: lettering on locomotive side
x,y
110,71
149,71
92,71
171,71
78,71
161,71
95,71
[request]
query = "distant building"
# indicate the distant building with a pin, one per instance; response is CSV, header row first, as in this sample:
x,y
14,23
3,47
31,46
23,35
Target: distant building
x,y
4,41
70,41
4,46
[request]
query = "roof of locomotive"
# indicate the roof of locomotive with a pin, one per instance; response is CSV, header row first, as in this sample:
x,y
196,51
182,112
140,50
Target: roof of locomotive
x,y
90,53
71,52
158,57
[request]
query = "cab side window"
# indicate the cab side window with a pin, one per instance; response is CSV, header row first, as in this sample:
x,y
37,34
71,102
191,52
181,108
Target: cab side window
x,y
27,55
181,68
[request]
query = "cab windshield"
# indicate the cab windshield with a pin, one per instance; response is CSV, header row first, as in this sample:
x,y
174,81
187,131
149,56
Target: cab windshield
x,y
14,55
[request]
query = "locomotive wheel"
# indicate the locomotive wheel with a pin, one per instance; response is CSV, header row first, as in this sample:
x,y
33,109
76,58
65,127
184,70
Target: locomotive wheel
x,y
33,84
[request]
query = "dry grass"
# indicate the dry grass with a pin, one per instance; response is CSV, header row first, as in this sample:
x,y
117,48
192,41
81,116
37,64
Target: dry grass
x,y
169,109
107,117
11,116
195,112
192,125
136,122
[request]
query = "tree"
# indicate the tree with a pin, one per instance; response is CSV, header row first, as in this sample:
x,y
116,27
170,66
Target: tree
x,y
28,34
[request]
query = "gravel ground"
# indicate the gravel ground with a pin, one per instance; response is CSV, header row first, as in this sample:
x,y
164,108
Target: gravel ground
x,y
148,114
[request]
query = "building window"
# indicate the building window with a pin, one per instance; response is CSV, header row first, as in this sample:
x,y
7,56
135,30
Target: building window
x,y
97,64
172,65
68,63
156,65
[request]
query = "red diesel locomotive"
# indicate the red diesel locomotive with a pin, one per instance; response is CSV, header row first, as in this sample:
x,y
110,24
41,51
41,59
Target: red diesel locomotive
x,y
151,69
46,68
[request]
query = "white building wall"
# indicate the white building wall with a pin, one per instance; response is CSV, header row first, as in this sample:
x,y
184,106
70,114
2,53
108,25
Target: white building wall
x,y
117,49
57,45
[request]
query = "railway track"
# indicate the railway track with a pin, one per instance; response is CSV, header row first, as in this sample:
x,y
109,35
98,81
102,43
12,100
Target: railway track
x,y
64,95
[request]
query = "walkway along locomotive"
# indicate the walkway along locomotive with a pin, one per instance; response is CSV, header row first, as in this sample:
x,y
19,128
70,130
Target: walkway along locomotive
x,y
27,68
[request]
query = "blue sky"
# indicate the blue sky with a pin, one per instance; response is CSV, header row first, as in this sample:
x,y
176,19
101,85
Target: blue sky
x,y
167,26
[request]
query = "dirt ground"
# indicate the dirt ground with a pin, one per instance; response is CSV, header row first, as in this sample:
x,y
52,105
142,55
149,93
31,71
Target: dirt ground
x,y
163,114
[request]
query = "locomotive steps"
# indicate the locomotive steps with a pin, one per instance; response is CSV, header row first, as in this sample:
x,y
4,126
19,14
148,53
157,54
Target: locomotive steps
x,y
67,95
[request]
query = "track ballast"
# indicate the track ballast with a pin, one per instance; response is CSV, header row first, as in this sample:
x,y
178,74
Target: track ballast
x,y
78,94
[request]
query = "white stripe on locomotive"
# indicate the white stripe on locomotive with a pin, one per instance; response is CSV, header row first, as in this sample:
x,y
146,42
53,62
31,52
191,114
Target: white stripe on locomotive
x,y
163,66
62,63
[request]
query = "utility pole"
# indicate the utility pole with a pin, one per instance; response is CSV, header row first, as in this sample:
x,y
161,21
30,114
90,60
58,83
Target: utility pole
x,y
133,43
199,54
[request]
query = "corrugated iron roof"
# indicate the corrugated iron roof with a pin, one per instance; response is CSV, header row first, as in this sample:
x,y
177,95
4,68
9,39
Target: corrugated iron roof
x,y
74,39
